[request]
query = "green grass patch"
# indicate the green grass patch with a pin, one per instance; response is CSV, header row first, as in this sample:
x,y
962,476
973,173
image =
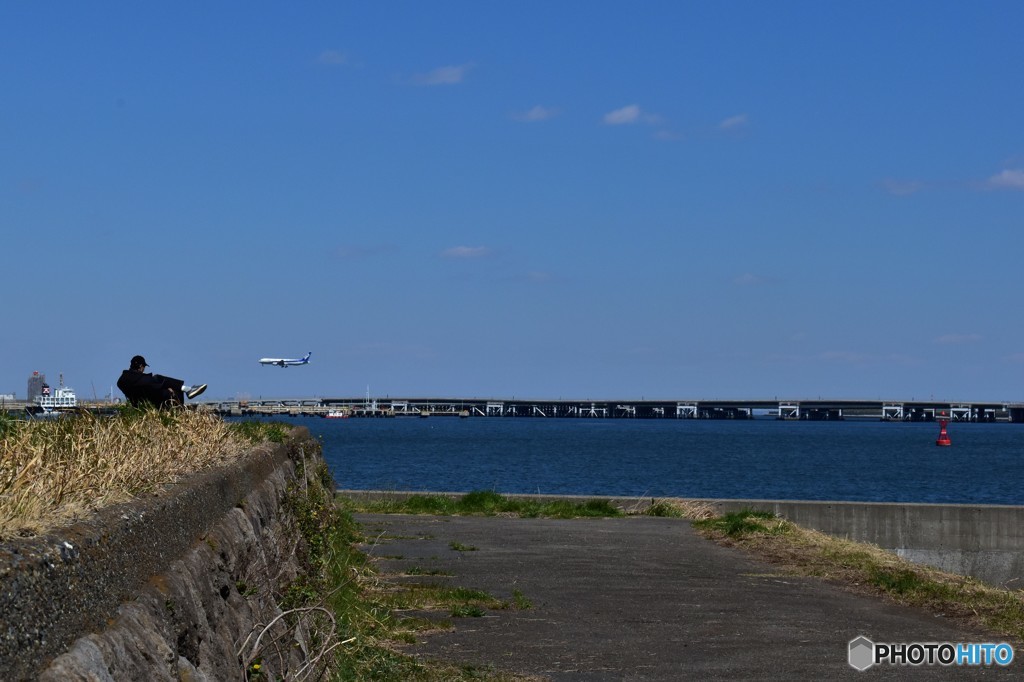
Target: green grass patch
x,y
745,522
485,503
459,547
907,581
417,570
8,424
519,601
364,608
371,611
253,431
437,597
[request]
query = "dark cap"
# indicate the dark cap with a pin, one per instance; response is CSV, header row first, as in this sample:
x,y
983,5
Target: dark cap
x,y
138,362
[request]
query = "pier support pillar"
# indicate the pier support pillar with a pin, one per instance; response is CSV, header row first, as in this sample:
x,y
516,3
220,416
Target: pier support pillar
x,y
789,410
686,410
892,412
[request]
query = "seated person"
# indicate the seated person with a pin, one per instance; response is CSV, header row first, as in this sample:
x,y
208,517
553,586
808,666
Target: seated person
x,y
141,388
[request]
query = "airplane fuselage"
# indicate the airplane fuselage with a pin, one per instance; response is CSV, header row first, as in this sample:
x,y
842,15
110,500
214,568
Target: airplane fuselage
x,y
286,362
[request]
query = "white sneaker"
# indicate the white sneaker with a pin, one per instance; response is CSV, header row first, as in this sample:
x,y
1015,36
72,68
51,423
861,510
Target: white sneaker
x,y
195,390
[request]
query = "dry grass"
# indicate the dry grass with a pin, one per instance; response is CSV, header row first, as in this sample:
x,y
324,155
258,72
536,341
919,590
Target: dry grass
x,y
56,471
695,510
868,569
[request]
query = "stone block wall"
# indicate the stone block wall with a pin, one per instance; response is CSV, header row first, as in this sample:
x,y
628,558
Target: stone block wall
x,y
169,587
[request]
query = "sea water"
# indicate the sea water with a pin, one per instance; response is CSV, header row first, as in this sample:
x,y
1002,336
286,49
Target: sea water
x,y
759,458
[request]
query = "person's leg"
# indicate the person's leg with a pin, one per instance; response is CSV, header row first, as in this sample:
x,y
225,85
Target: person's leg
x,y
155,394
172,390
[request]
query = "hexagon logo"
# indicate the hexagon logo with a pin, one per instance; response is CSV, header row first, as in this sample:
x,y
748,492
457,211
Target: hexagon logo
x,y
862,653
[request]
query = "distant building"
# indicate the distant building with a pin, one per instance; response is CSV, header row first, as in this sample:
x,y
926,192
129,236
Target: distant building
x,y
35,385
6,397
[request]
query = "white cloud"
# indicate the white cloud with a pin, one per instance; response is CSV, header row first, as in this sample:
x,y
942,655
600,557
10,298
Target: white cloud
x,y
632,114
737,122
537,113
466,252
902,188
444,75
628,114
1008,179
958,339
332,57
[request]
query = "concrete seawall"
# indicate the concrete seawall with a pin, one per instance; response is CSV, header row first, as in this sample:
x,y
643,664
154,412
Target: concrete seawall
x,y
982,541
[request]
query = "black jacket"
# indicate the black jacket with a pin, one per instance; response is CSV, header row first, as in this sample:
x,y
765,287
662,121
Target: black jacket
x,y
141,388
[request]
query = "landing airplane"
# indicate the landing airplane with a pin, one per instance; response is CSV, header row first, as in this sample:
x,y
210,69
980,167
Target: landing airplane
x,y
284,362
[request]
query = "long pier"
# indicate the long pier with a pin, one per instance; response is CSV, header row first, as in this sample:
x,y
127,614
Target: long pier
x,y
810,410
795,410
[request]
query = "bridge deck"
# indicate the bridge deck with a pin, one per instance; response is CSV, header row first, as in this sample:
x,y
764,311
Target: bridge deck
x,y
816,409
811,410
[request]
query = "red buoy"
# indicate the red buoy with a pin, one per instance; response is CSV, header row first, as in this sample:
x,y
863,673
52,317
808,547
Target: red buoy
x,y
943,436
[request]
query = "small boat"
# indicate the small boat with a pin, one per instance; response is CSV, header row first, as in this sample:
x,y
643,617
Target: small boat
x,y
337,414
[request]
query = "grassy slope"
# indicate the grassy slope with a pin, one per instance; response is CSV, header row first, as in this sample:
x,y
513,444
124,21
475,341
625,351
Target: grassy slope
x,y
55,471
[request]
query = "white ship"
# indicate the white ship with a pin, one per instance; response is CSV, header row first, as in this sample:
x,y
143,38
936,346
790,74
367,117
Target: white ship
x,y
51,402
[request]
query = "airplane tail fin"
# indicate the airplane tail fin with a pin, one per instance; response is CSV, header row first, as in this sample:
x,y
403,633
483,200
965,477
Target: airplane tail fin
x,y
306,359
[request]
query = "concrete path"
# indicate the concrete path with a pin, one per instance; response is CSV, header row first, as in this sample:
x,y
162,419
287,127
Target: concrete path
x,y
645,598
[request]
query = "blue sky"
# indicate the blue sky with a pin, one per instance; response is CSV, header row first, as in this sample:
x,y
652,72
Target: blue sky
x,y
530,199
